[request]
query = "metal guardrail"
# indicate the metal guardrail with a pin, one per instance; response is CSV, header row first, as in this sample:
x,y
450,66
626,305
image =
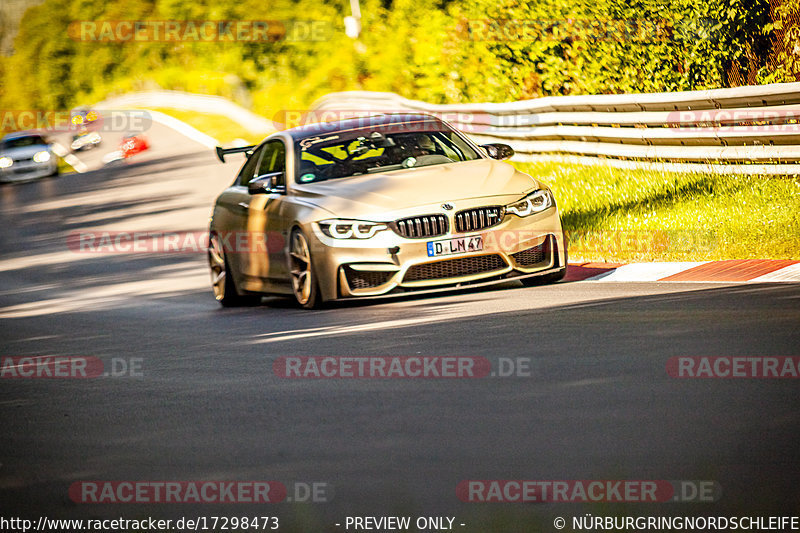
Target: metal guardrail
x,y
742,130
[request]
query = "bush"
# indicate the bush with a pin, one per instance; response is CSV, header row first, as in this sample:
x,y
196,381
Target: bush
x,y
467,50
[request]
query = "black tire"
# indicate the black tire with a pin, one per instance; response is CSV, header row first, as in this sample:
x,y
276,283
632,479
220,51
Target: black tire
x,y
222,282
305,286
544,280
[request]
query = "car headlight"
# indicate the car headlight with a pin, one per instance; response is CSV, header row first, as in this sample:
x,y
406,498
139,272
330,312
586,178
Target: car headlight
x,y
6,162
42,157
536,202
350,229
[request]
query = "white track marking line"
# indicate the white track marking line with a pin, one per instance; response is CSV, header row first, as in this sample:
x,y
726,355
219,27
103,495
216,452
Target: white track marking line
x,y
360,328
297,331
184,129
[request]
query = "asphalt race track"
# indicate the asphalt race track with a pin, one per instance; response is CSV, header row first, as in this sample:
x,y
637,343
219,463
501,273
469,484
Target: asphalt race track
x,y
206,405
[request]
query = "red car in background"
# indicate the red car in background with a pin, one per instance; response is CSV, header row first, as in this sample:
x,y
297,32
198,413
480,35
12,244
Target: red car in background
x,y
133,144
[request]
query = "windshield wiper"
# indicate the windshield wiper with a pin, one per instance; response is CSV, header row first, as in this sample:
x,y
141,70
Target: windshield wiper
x,y
375,170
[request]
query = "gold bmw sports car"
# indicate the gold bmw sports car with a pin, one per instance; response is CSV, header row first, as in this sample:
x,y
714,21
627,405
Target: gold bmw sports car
x,y
379,206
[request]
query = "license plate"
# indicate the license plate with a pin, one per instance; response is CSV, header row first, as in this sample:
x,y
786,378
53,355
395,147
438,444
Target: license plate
x,y
455,246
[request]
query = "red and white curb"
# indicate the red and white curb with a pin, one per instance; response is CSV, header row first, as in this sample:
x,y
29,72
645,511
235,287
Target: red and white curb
x,y
733,271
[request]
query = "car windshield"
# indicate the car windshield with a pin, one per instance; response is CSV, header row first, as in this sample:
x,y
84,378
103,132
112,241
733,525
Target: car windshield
x,y
378,149
20,142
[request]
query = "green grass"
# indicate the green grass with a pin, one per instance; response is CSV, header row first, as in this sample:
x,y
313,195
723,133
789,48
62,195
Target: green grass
x,y
640,215
220,127
64,167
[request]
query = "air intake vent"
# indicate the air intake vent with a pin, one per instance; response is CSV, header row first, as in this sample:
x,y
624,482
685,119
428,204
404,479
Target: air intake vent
x,y
479,218
531,256
358,279
454,268
421,227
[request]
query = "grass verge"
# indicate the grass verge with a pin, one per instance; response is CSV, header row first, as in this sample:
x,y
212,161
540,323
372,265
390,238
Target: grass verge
x,y
641,215
64,167
220,127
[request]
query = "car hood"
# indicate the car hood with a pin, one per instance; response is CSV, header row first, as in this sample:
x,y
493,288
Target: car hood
x,y
23,152
382,194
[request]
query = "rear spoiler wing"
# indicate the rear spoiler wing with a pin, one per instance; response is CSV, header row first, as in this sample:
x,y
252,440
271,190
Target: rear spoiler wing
x,y
222,152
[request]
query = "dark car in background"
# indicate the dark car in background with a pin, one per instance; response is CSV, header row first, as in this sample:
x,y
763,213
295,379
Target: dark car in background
x,y
87,137
26,156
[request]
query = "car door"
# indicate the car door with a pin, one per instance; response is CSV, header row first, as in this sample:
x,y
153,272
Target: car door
x,y
279,218
268,222
231,217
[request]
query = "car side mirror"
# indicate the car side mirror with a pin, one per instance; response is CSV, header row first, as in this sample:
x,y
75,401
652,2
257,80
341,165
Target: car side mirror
x,y
267,184
498,151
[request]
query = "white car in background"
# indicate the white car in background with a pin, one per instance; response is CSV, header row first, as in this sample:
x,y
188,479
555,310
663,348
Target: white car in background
x,y
26,156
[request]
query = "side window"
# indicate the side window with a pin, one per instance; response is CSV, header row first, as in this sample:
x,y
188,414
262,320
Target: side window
x,y
248,171
274,160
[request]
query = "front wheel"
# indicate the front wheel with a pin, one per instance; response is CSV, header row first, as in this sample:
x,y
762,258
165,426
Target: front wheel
x,y
222,280
304,281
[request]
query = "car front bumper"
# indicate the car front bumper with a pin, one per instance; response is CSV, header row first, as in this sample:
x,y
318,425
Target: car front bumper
x,y
389,264
28,170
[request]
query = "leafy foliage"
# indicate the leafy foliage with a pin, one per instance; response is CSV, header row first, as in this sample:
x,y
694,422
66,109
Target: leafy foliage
x,y
629,215
786,35
467,50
